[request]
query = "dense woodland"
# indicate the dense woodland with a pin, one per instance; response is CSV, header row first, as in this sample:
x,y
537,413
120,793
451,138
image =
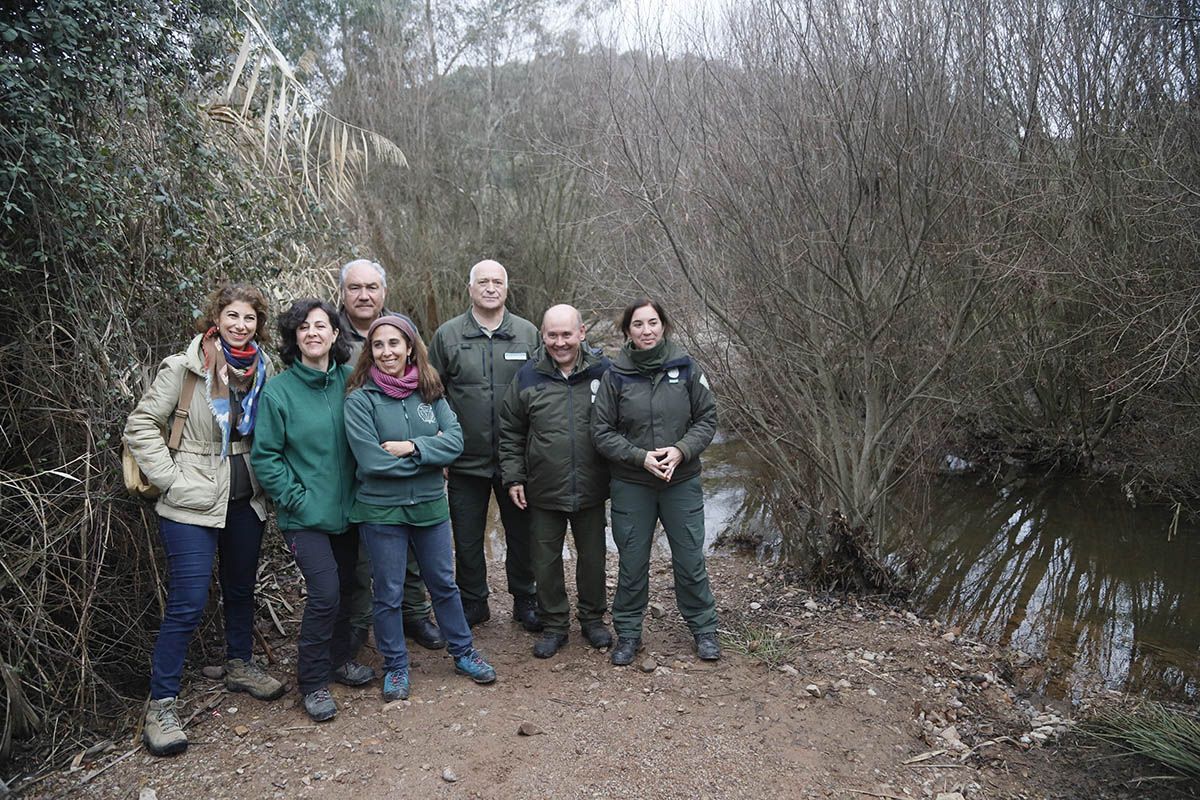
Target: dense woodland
x,y
890,230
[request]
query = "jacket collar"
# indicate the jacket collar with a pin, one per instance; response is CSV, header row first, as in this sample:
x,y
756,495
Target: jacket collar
x,y
676,356
471,329
314,379
590,358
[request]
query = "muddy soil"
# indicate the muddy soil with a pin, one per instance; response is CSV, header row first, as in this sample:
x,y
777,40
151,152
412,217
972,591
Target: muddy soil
x,y
815,697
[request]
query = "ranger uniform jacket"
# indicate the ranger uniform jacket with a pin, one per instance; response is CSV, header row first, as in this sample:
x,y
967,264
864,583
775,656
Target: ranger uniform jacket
x,y
635,413
476,369
545,433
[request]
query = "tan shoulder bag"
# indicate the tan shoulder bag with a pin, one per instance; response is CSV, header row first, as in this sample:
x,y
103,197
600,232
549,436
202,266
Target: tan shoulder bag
x,y
136,482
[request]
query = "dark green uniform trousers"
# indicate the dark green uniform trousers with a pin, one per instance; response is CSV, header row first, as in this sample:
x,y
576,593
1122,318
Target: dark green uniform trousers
x,y
469,497
416,603
547,531
635,511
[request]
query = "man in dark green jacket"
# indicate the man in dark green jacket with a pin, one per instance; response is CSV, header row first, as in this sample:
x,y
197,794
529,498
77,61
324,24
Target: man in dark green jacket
x,y
364,288
476,354
550,467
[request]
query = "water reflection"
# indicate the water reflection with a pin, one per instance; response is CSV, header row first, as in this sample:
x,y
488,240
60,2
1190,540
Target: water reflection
x,y
727,467
1069,572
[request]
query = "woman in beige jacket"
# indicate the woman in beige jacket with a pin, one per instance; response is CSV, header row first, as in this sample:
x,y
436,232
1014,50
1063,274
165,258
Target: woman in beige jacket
x,y
210,498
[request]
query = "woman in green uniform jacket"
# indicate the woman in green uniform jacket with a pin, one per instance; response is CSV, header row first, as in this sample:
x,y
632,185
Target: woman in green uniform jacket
x,y
654,415
302,459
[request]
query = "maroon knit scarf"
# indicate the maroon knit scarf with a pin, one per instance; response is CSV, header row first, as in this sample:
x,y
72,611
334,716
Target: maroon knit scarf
x,y
398,388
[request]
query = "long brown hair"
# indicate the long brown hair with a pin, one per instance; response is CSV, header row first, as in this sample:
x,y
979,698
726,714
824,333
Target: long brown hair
x,y
429,383
228,293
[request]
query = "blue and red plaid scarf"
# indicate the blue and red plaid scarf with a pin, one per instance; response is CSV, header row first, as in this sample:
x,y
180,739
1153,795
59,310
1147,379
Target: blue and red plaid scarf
x,y
241,368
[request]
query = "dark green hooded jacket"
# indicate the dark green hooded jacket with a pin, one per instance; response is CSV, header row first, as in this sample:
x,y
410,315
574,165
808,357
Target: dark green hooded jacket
x,y
476,369
545,433
300,452
635,413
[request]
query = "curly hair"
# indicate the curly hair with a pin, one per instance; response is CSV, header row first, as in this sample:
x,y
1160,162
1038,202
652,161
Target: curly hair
x,y
228,293
294,317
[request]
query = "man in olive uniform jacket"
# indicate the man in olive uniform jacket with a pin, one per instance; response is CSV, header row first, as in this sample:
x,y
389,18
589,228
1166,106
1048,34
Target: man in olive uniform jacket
x,y
550,467
477,353
364,286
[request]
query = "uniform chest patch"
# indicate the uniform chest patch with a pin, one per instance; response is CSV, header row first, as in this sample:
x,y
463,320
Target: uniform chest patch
x,y
673,375
425,413
595,387
520,356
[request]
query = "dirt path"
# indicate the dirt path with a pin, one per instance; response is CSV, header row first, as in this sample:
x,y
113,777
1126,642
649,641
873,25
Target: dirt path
x,y
884,685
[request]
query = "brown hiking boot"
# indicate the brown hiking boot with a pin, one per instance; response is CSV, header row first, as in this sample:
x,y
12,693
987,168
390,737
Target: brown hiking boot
x,y
246,676
162,732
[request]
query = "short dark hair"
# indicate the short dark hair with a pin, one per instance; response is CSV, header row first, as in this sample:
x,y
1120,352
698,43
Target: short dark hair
x,y
641,302
289,348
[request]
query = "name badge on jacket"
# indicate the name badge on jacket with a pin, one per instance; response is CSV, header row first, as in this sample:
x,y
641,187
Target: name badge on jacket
x,y
516,356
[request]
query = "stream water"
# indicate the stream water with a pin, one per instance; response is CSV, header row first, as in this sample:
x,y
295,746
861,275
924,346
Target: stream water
x,y
1069,572
1098,591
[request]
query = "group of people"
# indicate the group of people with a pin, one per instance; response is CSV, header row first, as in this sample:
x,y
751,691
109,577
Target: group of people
x,y
381,457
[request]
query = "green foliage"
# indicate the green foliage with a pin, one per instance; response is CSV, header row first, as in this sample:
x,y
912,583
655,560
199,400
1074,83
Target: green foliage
x,y
125,204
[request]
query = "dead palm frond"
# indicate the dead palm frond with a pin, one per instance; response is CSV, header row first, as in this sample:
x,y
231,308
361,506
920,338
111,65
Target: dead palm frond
x,y
285,129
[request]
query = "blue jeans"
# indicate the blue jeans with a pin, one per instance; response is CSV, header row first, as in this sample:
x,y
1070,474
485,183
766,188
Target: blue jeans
x,y
190,551
388,545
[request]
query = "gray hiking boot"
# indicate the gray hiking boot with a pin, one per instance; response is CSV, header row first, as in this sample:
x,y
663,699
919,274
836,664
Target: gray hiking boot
x,y
707,647
320,705
162,732
246,676
353,673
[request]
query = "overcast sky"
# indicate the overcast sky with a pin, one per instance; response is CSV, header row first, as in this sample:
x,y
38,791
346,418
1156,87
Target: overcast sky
x,y
674,22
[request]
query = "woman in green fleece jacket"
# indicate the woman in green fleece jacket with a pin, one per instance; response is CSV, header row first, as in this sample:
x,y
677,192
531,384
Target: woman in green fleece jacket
x,y
403,433
303,462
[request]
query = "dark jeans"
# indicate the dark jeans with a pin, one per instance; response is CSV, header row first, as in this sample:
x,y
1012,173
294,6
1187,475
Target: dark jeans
x,y
190,552
549,531
327,562
469,498
389,558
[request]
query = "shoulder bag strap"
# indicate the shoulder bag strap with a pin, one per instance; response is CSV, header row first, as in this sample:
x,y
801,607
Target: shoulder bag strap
x,y
181,411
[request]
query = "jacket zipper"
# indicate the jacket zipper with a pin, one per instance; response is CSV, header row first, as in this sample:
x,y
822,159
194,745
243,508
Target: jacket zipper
x,y
571,432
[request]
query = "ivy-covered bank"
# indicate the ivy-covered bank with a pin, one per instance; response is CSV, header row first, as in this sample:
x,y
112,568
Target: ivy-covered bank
x,y
123,201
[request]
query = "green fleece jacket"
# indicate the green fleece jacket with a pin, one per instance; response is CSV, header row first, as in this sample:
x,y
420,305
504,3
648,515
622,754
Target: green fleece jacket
x,y
671,407
476,369
300,453
373,418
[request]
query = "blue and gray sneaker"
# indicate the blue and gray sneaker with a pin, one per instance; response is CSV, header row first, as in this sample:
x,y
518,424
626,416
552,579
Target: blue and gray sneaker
x,y
474,667
395,684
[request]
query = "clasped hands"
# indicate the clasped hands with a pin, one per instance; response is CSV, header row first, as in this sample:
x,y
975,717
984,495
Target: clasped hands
x,y
662,462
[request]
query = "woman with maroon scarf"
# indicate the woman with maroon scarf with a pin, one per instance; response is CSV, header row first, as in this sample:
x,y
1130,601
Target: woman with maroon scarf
x,y
403,433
